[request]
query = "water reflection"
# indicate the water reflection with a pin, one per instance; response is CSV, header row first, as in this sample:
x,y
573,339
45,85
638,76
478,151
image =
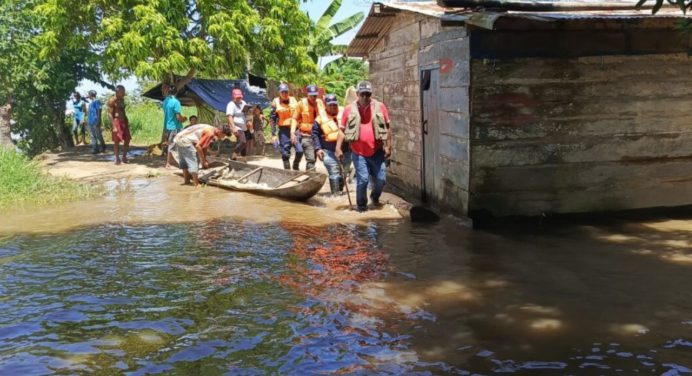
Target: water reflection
x,y
223,295
203,298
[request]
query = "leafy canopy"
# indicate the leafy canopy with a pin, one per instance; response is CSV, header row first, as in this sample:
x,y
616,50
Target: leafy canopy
x,y
155,39
322,39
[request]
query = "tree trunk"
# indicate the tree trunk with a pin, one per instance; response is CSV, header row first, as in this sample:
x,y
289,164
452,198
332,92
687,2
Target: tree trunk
x,y
5,125
61,131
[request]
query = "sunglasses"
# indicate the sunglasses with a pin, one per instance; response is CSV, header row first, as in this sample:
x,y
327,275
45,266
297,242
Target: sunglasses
x,y
365,94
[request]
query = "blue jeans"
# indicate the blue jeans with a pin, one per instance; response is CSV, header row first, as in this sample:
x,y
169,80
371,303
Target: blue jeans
x,y
285,142
367,167
332,164
97,142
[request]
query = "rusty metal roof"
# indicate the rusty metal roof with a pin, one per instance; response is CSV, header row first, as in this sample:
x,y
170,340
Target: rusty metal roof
x,y
381,17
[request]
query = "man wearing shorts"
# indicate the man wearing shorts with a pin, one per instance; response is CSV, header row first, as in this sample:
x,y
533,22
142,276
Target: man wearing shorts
x,y
121,129
172,120
191,144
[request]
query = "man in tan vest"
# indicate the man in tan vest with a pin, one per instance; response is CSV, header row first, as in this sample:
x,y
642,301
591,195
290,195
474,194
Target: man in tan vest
x,y
366,128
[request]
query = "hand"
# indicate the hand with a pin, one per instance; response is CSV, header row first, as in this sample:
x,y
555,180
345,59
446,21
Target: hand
x,y
387,151
339,154
274,139
205,164
293,139
320,154
235,131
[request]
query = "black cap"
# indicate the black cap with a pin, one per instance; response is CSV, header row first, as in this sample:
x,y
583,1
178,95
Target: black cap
x,y
364,87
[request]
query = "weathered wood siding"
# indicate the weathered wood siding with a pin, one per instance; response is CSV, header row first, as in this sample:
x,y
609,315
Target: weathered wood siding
x,y
414,40
580,134
395,78
447,49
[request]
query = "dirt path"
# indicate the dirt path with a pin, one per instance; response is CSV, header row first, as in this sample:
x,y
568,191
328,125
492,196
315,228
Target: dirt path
x,y
79,164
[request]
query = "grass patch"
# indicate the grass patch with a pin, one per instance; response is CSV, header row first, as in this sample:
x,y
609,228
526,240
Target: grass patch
x,y
22,181
146,121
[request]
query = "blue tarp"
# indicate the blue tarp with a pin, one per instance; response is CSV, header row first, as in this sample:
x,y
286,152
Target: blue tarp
x,y
215,93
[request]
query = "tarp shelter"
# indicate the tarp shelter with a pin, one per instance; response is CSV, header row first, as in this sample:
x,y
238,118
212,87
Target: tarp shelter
x,y
211,96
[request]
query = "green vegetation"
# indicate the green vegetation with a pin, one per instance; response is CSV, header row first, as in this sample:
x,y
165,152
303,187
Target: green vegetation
x,y
146,121
23,181
324,32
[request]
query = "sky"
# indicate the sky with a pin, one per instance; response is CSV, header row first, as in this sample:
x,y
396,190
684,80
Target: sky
x,y
314,8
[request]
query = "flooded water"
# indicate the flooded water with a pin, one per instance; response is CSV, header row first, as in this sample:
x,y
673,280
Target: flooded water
x,y
156,278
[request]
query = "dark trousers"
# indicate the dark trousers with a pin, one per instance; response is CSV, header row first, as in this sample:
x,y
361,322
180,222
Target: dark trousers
x,y
285,143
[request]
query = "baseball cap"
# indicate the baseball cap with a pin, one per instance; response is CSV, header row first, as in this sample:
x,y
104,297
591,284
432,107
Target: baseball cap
x,y
237,93
364,87
283,87
92,93
331,99
312,90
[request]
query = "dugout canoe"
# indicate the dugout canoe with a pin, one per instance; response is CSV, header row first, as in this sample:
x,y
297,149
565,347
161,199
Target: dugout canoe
x,y
262,180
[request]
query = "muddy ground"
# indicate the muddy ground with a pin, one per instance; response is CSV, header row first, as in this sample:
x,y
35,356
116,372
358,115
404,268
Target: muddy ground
x,y
80,164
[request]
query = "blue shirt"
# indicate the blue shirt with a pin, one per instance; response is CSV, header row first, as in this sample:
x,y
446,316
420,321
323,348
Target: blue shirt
x,y
78,110
171,107
94,111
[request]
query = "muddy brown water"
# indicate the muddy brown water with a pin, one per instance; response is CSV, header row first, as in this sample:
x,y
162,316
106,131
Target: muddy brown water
x,y
157,278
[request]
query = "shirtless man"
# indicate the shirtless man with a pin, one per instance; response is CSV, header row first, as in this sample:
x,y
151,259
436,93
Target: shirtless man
x,y
118,118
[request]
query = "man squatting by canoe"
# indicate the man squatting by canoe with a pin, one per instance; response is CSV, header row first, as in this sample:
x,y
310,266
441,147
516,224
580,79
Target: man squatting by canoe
x,y
192,143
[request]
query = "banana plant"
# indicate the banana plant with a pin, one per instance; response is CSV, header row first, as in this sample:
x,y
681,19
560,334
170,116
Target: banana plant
x,y
324,32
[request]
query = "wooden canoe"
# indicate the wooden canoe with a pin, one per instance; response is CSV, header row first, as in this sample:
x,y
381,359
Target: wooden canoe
x,y
262,180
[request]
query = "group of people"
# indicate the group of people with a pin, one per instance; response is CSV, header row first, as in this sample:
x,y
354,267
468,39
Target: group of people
x,y
315,128
87,115
321,129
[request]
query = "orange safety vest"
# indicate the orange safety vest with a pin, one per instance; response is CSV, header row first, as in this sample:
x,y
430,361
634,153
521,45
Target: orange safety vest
x,y
307,114
330,125
284,111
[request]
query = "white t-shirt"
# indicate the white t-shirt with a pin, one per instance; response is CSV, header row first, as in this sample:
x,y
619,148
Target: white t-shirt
x,y
236,110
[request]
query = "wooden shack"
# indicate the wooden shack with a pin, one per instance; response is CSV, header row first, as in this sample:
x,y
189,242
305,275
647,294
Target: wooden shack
x,y
511,112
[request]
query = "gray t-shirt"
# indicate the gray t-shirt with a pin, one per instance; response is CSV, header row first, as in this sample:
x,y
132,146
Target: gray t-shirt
x,y
236,110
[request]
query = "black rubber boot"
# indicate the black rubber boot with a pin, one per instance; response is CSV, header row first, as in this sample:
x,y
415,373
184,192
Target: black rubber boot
x,y
287,164
296,161
340,183
334,187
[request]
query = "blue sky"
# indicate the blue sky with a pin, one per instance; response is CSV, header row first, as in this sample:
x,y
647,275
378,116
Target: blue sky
x,y
314,8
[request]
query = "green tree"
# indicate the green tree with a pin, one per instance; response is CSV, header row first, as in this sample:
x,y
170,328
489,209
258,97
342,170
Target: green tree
x,y
162,38
684,5
39,87
341,73
324,33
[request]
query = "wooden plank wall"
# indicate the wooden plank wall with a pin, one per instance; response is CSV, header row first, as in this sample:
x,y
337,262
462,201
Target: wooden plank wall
x,y
448,50
395,78
582,134
415,40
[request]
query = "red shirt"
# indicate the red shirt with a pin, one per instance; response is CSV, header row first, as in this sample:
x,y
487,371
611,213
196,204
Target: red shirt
x,y
366,145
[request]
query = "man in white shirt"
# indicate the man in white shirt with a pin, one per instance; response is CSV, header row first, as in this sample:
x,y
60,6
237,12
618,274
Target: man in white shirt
x,y
237,120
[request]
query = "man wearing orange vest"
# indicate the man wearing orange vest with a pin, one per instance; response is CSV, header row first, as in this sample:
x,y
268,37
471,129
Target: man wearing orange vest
x,y
366,127
308,110
281,117
325,133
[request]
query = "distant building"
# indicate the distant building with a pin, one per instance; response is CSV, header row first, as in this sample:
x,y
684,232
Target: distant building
x,y
510,112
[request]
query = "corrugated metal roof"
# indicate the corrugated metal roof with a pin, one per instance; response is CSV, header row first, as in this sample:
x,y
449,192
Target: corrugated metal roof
x,y
382,15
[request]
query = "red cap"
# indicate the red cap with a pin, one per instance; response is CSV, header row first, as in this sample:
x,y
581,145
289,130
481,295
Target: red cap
x,y
236,93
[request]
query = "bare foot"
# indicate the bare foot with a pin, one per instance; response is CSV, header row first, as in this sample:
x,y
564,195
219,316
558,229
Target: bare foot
x,y
168,167
117,161
125,160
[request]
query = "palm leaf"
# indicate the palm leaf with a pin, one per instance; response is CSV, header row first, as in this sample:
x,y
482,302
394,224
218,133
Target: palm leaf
x,y
339,49
346,25
328,14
